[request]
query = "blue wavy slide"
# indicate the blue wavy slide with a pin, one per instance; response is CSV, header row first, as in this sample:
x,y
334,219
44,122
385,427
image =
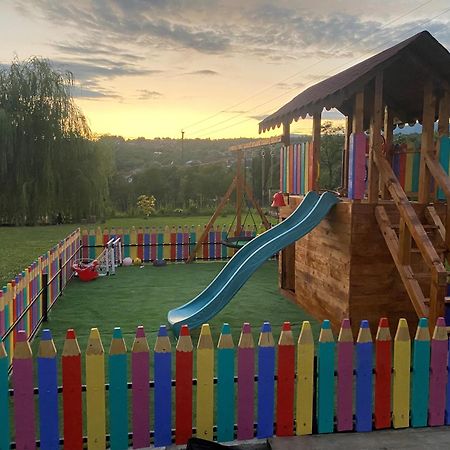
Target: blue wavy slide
x,y
244,263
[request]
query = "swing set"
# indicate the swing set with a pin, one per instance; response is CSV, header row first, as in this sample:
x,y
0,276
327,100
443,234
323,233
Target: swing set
x,y
244,197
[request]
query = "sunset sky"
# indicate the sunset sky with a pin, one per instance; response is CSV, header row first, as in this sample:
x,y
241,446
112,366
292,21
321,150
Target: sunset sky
x,y
214,68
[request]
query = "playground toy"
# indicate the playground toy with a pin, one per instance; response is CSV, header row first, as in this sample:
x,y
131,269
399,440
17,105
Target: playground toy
x,y
383,248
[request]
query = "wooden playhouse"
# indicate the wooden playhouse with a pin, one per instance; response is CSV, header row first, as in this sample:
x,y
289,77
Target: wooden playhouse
x,y
382,250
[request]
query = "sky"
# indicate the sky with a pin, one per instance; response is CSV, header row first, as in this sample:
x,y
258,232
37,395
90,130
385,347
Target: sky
x,y
213,68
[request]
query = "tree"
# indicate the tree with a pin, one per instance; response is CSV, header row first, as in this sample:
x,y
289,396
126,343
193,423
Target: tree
x,y
146,204
49,163
331,146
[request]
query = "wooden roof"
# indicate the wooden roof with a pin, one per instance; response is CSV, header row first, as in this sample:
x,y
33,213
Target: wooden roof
x,y
406,66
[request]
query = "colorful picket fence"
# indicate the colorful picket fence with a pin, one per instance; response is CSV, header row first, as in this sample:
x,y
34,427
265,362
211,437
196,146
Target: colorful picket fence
x,y
171,244
339,386
21,300
295,170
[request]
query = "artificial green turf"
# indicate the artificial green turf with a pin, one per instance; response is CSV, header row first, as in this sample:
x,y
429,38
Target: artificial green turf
x,y
137,296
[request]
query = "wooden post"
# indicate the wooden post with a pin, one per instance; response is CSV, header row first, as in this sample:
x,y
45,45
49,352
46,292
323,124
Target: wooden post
x,y
388,141
427,140
316,150
286,138
358,113
239,191
375,139
348,132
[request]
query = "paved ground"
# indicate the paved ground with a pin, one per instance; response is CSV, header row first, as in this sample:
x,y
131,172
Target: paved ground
x,y
411,438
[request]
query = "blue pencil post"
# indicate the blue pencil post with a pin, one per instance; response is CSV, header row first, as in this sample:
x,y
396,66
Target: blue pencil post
x,y
118,392
48,392
325,382
364,362
266,382
4,399
225,385
163,389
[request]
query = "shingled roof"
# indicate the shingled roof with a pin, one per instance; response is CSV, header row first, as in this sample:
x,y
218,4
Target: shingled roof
x,y
406,66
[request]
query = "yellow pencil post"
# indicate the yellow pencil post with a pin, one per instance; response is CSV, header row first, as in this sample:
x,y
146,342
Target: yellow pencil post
x,y
401,378
305,380
205,377
95,392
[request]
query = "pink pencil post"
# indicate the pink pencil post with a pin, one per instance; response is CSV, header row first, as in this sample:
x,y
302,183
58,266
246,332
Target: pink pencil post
x,y
345,378
438,374
22,379
141,390
246,370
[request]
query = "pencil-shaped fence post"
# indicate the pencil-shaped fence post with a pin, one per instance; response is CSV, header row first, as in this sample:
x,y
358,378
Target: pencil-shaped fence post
x,y
438,374
118,392
305,380
23,384
48,392
5,437
72,400
383,367
95,392
183,388
401,379
344,407
420,375
163,389
325,379
140,377
225,385
364,356
246,371
266,383
205,378
285,382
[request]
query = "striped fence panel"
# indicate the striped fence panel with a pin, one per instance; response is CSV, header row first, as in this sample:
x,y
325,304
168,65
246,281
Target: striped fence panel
x,y
283,400
294,168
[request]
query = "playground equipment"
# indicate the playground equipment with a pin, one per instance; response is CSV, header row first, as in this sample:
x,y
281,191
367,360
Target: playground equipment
x,y
382,250
241,266
104,264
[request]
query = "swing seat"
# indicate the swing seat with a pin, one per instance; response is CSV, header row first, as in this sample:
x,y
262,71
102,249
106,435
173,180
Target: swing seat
x,y
236,241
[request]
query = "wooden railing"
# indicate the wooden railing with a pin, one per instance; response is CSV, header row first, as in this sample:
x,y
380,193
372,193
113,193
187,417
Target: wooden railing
x,y
400,248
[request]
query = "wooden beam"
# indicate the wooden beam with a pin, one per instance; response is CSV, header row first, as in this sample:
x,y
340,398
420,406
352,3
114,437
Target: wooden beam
x,y
345,155
433,218
286,138
444,113
404,254
257,143
256,206
358,113
239,190
427,144
212,220
388,144
317,122
406,274
375,139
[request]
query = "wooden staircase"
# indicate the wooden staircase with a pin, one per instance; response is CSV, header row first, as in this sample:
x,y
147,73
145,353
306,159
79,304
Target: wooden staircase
x,y
417,241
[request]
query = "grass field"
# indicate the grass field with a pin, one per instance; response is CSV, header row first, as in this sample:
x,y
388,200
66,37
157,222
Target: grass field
x,y
20,246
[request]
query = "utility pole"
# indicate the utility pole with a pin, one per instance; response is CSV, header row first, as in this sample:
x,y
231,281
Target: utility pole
x,y
182,146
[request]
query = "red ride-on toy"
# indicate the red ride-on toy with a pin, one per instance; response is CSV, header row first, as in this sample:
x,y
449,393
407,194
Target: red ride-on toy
x,y
86,270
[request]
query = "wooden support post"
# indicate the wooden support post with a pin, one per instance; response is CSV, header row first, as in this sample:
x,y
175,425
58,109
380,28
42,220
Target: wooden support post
x,y
427,143
375,139
358,113
388,142
239,191
216,214
345,155
317,117
286,138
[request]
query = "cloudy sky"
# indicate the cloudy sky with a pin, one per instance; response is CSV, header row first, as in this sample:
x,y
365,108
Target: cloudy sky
x,y
211,67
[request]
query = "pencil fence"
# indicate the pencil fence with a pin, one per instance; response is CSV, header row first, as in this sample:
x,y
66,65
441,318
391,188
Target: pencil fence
x,y
295,170
339,386
171,244
26,300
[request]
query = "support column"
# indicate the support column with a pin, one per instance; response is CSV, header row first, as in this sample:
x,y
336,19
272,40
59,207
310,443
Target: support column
x,y
345,155
317,118
427,143
358,113
375,139
388,141
239,190
286,134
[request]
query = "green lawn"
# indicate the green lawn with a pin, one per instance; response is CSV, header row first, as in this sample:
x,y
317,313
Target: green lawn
x,y
137,296
20,246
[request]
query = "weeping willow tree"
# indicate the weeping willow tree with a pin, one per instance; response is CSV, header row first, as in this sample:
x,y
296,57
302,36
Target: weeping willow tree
x,y
49,163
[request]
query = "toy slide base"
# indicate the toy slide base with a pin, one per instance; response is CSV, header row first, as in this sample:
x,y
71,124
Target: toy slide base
x,y
245,262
